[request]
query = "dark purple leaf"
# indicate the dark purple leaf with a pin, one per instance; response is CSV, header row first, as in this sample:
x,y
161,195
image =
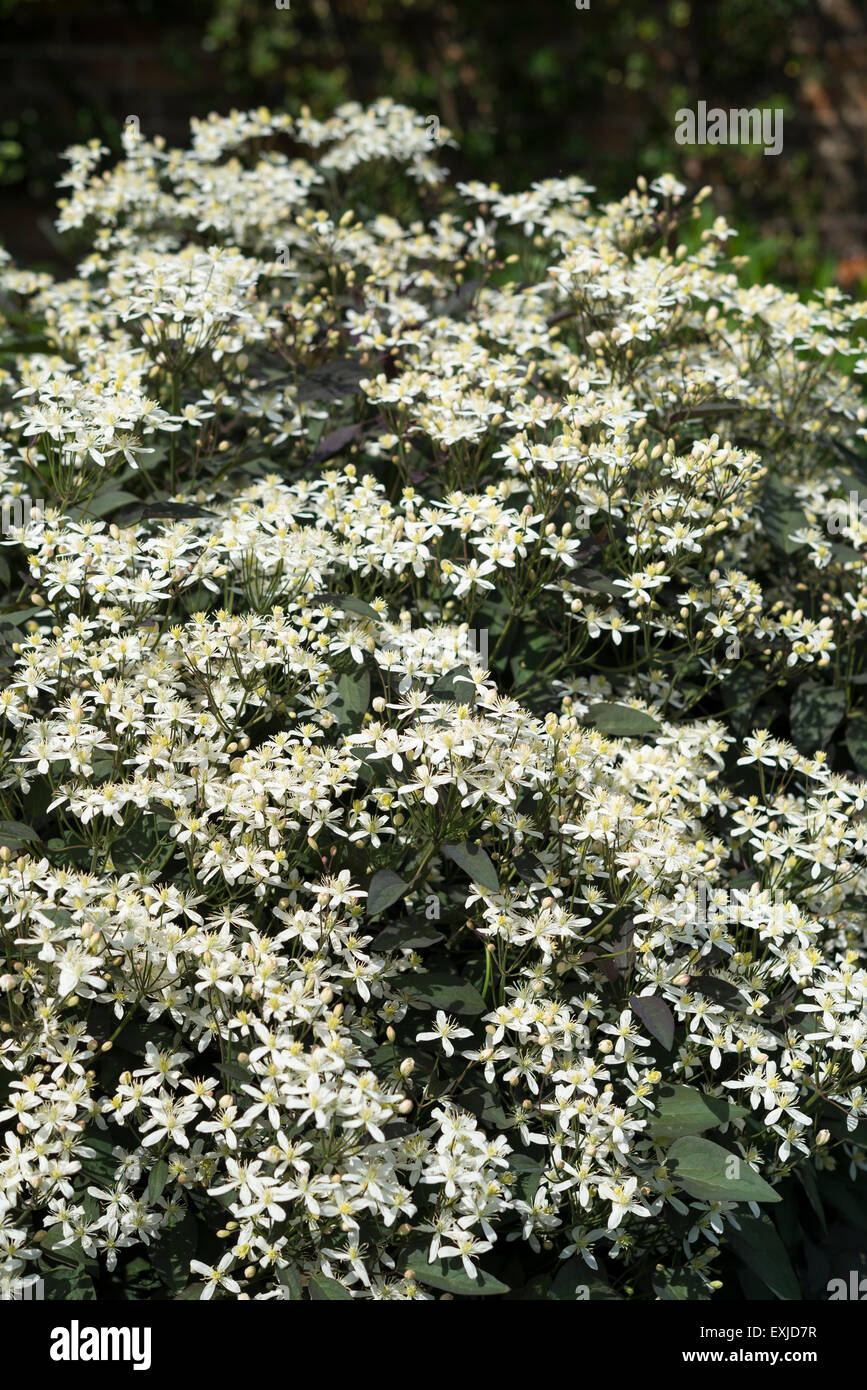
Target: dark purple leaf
x,y
655,1015
333,380
334,443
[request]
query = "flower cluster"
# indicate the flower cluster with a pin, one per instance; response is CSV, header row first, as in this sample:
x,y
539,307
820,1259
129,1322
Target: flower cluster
x,y
342,952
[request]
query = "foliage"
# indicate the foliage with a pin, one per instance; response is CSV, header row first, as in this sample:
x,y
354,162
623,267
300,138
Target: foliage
x,y
533,91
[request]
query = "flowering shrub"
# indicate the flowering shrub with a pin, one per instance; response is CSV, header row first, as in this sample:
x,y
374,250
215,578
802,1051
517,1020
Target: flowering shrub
x,y
346,956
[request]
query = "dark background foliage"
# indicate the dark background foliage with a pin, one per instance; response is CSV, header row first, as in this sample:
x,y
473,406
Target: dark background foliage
x,y
530,89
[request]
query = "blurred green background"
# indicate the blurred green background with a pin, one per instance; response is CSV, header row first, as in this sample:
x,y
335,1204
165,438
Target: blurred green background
x,y
531,89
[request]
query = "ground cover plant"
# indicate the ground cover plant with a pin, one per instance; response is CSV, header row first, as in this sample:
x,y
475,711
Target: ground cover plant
x,y
433,725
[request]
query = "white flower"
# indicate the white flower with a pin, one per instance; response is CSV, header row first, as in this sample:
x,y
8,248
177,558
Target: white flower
x,y
444,1030
623,1199
215,1276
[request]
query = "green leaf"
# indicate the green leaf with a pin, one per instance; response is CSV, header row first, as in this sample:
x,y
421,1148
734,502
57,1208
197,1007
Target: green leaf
x,y
474,862
457,685
140,1280
621,721
845,1198
656,1016
572,1282
68,1286
325,1290
236,1071
814,715
19,616
384,889
109,501
781,515
806,1175
711,1173
682,1110
745,879
856,741
68,1254
290,1278
451,993
157,1179
103,767
102,1167
681,1286
574,1278
137,511
174,1249
528,1174
840,1130
353,696
450,1276
15,833
847,554
591,581
407,936
759,1246
740,691
533,654
348,603
14,346
482,1103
